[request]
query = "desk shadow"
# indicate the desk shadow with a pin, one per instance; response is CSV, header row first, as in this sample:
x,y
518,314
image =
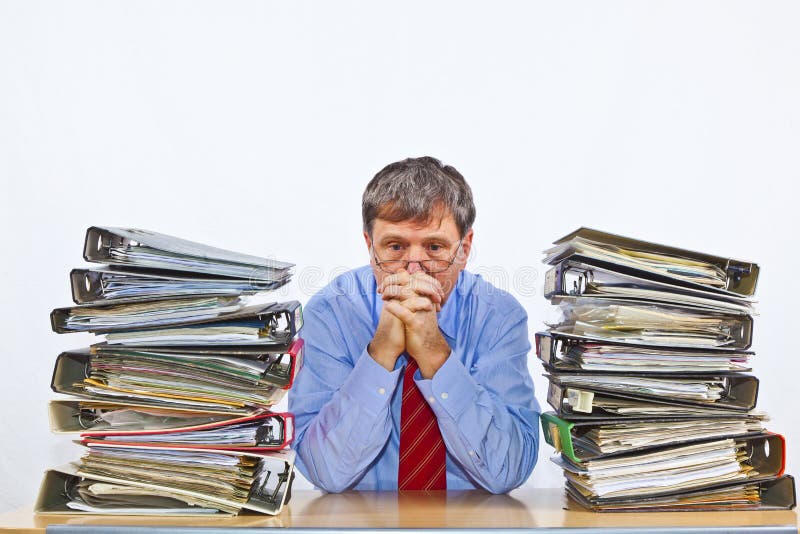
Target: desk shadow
x,y
245,519
414,509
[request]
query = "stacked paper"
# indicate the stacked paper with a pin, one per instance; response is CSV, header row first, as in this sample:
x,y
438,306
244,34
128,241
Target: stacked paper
x,y
174,407
649,378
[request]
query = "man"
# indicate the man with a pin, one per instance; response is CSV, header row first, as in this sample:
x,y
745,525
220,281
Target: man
x,y
415,372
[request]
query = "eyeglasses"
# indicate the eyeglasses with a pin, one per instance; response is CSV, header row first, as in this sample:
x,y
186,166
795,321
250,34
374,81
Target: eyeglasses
x,y
430,266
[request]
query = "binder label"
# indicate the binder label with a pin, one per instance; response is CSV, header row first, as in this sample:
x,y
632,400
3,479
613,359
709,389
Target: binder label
x,y
581,401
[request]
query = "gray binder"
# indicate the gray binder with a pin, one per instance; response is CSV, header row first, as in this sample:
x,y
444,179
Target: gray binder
x,y
143,248
740,277
114,284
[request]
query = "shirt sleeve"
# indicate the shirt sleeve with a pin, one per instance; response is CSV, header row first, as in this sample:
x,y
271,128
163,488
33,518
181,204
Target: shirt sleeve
x,y
341,405
488,414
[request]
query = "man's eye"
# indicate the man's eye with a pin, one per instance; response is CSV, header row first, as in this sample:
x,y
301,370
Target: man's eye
x,y
395,247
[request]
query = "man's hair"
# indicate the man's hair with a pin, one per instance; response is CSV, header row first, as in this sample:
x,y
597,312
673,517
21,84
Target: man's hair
x,y
418,189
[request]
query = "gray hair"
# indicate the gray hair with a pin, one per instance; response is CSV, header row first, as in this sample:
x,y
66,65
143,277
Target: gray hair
x,y
418,189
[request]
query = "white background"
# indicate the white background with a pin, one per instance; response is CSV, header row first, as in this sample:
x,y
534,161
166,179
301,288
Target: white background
x,y
256,125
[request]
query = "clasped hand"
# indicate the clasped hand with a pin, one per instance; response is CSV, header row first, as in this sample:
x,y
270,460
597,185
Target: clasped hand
x,y
408,322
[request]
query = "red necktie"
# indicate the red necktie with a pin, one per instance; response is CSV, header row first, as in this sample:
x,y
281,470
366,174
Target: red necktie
x,y
422,451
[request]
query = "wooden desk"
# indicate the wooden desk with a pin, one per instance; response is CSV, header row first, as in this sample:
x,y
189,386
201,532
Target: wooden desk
x,y
524,509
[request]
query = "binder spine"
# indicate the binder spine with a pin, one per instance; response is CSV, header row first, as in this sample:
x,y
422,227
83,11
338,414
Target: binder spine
x,y
566,280
296,350
741,393
98,243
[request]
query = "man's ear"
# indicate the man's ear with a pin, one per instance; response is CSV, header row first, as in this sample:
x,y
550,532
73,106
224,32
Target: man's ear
x,y
466,244
367,240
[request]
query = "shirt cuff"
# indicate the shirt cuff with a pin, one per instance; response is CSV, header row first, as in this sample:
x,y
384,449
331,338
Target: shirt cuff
x,y
370,385
451,390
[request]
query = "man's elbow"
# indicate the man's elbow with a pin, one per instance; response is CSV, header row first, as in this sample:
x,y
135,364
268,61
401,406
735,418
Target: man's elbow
x,y
326,483
499,487
515,475
331,486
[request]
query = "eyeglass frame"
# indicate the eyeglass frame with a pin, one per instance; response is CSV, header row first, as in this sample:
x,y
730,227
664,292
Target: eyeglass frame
x,y
450,262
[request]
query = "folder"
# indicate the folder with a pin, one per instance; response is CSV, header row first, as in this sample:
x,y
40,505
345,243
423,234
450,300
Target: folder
x,y
131,285
584,278
603,438
185,321
687,268
59,487
123,316
740,394
143,248
115,422
262,432
564,352
75,373
677,469
270,489
648,323
772,494
279,364
91,415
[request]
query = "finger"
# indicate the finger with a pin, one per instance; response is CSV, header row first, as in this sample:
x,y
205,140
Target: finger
x,y
425,285
386,315
422,275
422,280
398,278
398,292
418,304
401,312
407,291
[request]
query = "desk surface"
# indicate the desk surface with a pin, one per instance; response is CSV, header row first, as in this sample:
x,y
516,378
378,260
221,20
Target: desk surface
x,y
532,508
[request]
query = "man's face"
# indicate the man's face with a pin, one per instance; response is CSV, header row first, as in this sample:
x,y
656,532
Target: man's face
x,y
412,240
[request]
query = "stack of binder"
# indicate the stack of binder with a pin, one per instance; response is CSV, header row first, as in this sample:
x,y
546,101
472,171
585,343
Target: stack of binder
x,y
173,408
649,376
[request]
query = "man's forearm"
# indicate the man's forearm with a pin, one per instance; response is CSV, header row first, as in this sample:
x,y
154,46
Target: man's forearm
x,y
350,430
495,442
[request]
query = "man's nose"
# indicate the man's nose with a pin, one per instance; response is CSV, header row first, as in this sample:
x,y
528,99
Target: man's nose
x,y
414,266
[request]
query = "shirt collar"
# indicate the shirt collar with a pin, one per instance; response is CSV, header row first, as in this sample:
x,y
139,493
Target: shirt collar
x,y
448,316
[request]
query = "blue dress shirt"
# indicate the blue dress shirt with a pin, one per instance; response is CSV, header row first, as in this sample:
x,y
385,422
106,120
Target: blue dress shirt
x,y
347,406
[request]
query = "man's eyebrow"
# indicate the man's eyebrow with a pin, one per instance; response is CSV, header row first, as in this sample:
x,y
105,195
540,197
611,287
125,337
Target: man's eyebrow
x,y
397,237
392,237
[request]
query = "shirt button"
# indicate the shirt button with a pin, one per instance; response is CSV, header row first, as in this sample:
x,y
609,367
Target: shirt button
x,y
444,395
431,399
471,453
381,391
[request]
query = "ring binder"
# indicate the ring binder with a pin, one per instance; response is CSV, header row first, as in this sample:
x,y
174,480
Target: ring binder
x,y
143,248
564,352
736,277
52,498
115,285
646,323
578,440
574,279
739,392
772,494
282,423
